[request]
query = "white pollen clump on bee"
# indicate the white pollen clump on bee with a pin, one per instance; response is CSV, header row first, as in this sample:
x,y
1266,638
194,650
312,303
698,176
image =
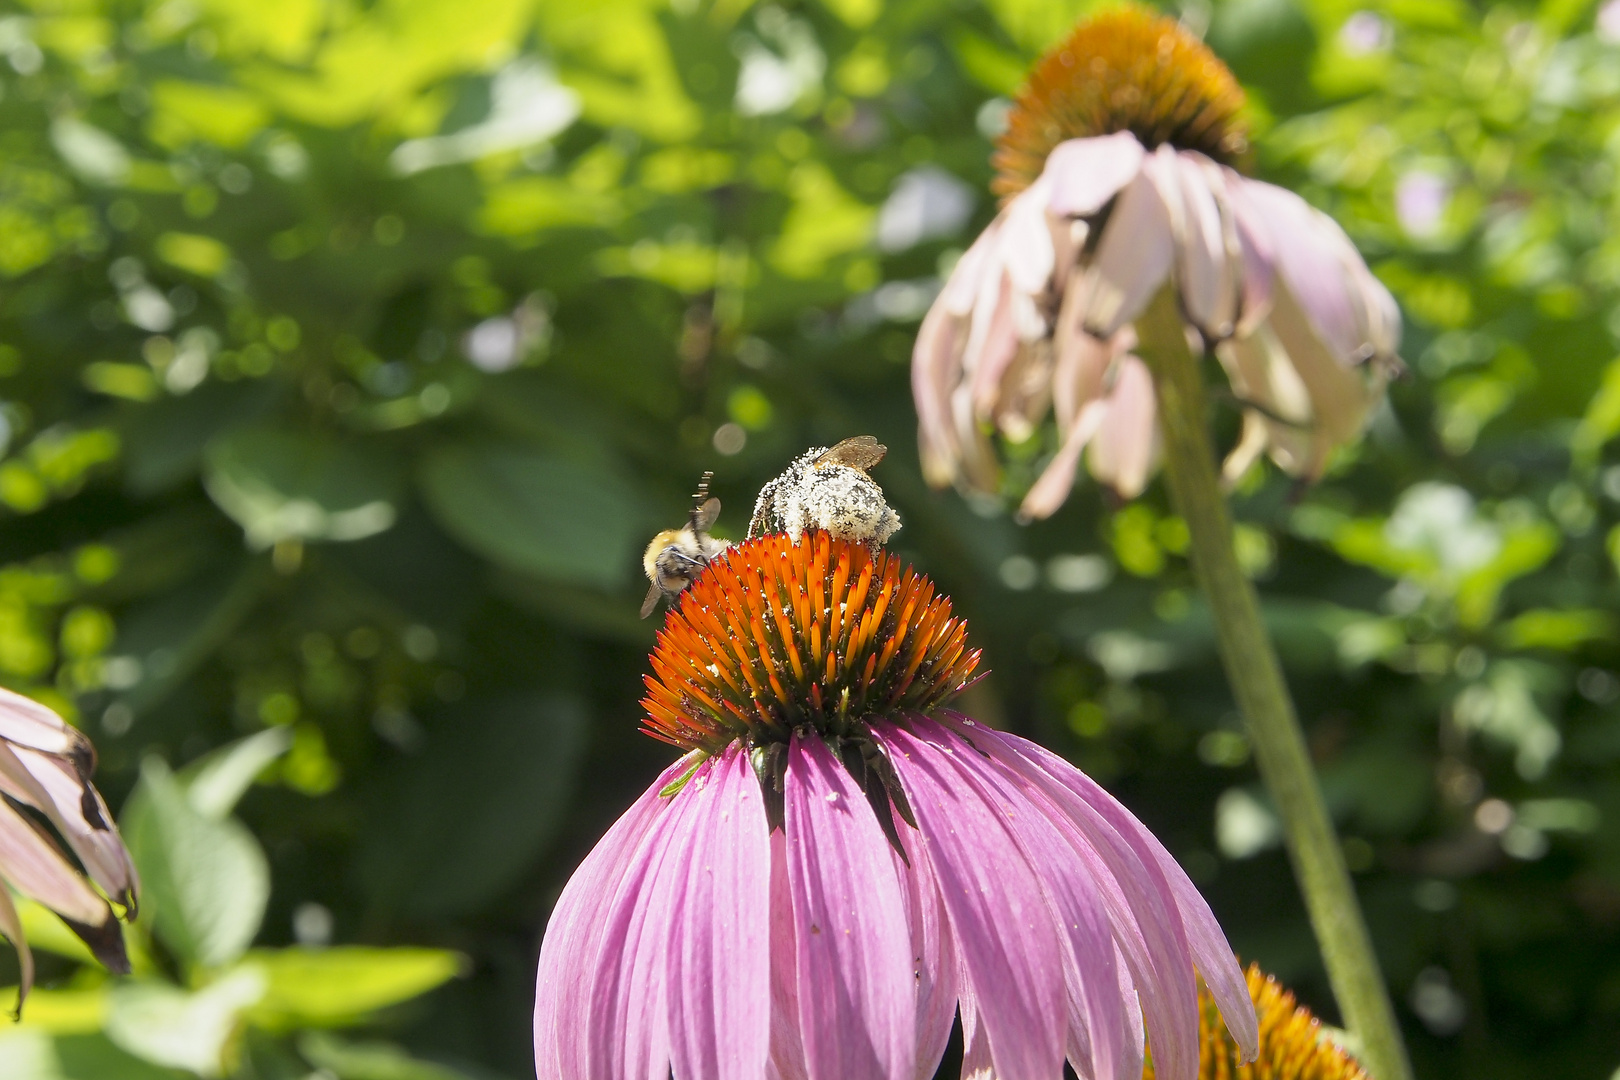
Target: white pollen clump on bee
x,y
842,501
828,489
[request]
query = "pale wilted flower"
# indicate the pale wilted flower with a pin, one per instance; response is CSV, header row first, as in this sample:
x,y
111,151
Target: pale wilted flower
x,y
842,864
45,767
1117,171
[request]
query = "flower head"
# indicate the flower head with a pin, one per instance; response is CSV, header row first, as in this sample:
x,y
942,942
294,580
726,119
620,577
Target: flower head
x,y
842,864
45,768
1117,168
1293,1045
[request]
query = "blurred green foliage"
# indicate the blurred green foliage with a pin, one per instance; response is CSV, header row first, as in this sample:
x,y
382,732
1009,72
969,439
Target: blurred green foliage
x,y
349,353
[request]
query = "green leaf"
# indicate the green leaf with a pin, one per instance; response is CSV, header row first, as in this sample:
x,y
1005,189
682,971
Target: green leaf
x,y
535,512
281,485
28,1055
168,1026
466,816
205,879
336,987
369,1060
215,783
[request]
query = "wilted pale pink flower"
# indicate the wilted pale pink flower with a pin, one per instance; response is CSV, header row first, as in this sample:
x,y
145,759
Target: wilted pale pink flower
x,y
842,864
1117,170
45,765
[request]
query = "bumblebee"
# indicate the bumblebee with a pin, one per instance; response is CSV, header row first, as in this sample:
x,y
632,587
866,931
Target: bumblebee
x,y
676,557
827,488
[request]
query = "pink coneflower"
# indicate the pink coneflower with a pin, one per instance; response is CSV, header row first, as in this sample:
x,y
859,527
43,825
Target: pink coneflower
x,y
841,864
45,766
1117,173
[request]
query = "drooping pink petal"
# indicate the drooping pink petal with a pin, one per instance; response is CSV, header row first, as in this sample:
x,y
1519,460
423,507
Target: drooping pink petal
x,y
977,1061
857,980
936,366
1208,269
992,344
1052,487
1347,307
1026,391
1026,240
1262,373
1011,956
933,953
584,944
25,722
1126,446
1086,173
38,870
1259,257
53,786
718,980
1077,375
1214,957
1342,396
1133,258
1142,909
11,926
787,1044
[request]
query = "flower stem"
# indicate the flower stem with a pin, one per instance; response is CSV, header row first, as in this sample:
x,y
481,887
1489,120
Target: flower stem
x,y
1257,683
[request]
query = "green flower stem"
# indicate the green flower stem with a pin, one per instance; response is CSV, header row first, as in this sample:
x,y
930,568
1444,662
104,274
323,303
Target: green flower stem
x,y
1257,683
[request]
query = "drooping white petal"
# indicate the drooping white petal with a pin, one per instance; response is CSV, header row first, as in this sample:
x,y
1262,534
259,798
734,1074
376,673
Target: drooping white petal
x,y
1085,173
1133,258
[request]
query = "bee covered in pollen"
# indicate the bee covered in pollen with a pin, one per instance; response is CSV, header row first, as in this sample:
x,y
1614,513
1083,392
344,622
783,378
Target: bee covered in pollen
x,y
827,488
677,556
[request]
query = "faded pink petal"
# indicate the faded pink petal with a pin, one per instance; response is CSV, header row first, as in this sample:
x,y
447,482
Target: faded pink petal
x,y
11,926
1259,256
1126,446
857,1005
24,722
1209,268
54,786
1086,173
1133,257
992,345
1052,487
1026,240
45,764
936,365
1342,397
34,865
718,978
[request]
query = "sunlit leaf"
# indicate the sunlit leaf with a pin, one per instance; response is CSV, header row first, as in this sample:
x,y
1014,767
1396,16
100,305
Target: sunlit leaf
x,y
369,1060
206,880
334,987
185,1030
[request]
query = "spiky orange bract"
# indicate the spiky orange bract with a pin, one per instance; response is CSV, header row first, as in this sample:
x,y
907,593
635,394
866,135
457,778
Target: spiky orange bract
x,y
1292,1045
781,634
1123,70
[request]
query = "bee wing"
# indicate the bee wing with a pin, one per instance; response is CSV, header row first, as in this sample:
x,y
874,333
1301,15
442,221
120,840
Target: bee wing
x,y
706,515
651,602
862,452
